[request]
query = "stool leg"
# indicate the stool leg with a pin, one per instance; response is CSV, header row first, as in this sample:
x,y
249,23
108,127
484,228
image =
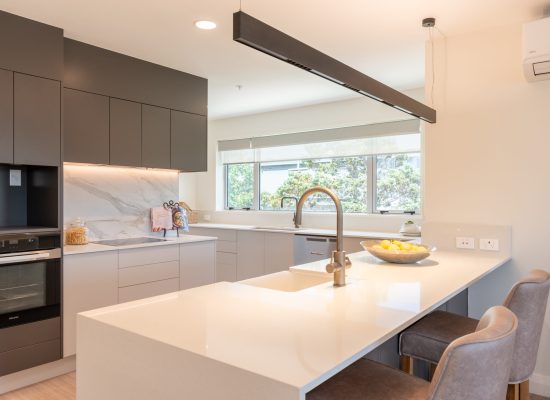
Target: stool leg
x,y
524,390
433,367
406,364
513,392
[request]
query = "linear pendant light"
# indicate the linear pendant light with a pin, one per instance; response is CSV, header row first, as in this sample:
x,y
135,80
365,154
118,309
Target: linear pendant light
x,y
260,36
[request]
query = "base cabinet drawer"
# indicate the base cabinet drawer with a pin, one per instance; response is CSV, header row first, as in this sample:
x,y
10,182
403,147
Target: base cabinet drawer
x,y
137,292
148,273
30,356
227,235
147,255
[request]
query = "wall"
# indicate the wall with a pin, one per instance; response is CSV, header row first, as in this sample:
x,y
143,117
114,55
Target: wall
x,y
208,193
486,159
114,201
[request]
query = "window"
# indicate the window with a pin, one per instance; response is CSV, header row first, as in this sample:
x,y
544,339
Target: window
x,y
369,173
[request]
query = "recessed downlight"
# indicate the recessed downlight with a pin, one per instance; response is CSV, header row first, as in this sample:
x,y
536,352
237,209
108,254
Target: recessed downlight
x,y
206,25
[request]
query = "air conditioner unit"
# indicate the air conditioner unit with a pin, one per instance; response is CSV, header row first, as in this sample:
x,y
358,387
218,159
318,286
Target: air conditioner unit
x,y
536,50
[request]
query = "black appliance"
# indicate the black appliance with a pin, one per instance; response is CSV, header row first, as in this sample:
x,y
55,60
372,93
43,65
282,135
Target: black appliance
x,y
30,300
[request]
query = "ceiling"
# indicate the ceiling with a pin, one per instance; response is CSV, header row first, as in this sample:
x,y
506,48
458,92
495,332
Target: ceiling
x,y
383,39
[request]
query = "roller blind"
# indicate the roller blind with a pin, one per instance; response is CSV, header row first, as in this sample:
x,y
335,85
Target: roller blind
x,y
389,137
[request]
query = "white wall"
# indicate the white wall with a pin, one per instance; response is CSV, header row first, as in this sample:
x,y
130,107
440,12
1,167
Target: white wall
x,y
208,194
487,158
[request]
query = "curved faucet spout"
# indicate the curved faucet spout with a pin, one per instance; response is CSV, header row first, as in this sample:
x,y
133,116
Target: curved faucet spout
x,y
339,261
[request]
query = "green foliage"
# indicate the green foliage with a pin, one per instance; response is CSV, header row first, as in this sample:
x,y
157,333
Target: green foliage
x,y
240,186
398,184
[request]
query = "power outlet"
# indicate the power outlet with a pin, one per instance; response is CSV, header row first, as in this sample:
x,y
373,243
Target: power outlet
x,y
489,244
207,217
465,243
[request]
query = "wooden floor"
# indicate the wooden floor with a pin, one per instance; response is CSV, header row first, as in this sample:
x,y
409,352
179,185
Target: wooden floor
x,y
64,388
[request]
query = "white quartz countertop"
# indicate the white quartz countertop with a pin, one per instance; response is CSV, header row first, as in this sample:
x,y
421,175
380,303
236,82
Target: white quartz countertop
x,y
97,247
303,231
296,339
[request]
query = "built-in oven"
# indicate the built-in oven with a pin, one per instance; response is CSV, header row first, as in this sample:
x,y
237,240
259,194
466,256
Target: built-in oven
x,y
30,300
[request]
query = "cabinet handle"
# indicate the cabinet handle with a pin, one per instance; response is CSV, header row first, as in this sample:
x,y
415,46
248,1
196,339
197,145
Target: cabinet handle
x,y
316,253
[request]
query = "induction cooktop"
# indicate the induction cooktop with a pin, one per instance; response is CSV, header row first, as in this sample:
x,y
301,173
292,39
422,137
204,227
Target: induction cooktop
x,y
129,241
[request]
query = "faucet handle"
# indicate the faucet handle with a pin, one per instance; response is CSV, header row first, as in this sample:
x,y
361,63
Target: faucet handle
x,y
348,262
332,267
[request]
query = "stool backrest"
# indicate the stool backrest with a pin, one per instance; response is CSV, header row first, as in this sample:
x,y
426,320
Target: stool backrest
x,y
527,299
477,366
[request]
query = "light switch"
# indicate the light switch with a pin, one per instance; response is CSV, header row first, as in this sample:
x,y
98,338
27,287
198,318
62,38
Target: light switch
x,y
15,177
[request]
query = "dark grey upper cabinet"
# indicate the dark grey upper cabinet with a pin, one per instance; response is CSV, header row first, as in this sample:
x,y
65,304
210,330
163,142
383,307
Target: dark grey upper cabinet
x,y
188,142
37,125
30,47
155,131
86,129
6,116
125,137
101,71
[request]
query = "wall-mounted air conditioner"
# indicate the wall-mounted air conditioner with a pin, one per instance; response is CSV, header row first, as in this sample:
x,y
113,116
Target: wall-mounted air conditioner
x,y
536,50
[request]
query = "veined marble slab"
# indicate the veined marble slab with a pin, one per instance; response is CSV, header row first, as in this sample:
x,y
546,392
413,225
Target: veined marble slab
x,y
115,201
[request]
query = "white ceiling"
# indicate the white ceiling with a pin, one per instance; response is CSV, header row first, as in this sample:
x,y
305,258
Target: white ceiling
x,y
382,38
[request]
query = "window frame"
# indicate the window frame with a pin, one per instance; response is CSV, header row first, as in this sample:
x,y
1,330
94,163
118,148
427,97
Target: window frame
x,y
372,168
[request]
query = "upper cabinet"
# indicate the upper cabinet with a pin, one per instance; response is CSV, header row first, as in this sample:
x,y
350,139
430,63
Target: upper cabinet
x,y
86,129
31,70
157,116
155,137
30,47
189,142
37,125
6,116
125,137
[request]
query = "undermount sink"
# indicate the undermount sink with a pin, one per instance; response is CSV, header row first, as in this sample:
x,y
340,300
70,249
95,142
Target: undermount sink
x,y
277,228
287,281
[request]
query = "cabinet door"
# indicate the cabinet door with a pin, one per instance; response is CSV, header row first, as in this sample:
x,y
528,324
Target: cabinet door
x,y
197,264
188,142
86,130
279,252
125,133
155,152
250,254
6,116
89,281
37,125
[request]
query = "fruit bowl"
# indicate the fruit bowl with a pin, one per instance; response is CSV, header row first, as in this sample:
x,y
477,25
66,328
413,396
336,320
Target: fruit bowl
x,y
398,252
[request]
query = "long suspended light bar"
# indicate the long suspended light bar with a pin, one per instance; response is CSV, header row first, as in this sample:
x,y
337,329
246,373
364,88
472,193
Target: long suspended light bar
x,y
260,36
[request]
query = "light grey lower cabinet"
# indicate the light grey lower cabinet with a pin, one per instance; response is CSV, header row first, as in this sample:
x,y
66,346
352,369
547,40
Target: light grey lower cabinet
x,y
36,120
95,280
89,282
197,264
250,254
6,116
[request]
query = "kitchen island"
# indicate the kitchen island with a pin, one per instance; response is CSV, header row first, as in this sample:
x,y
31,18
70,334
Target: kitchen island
x,y
272,337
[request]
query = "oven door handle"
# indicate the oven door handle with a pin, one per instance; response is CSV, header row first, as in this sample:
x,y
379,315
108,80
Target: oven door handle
x,y
24,258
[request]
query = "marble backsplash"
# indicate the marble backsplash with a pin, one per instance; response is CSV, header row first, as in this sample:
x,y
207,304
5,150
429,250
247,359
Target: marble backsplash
x,y
114,201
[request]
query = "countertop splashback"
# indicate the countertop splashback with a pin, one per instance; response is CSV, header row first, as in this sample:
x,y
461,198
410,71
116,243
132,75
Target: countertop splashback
x,y
114,201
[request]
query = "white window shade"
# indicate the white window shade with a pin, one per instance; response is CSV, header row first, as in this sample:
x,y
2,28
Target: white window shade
x,y
391,137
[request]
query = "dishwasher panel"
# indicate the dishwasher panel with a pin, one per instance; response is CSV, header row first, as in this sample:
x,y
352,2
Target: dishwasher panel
x,y
310,248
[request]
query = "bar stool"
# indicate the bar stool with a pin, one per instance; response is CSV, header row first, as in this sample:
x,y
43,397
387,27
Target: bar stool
x,y
473,367
427,339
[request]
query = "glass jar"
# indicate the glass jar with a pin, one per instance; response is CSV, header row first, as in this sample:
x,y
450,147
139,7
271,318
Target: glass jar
x,y
76,233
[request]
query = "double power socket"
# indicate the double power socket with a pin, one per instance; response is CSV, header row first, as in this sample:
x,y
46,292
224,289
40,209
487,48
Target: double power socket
x,y
470,243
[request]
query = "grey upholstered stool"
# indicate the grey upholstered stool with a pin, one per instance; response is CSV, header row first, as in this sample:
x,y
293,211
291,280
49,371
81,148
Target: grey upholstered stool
x,y
473,367
428,338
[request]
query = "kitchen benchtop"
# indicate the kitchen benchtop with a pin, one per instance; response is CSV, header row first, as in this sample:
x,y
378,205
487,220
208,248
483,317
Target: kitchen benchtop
x,y
255,342
96,247
304,231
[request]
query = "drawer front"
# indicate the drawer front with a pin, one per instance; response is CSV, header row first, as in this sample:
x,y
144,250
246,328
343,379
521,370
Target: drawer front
x,y
136,292
226,273
147,255
30,356
28,334
229,235
227,247
226,258
148,273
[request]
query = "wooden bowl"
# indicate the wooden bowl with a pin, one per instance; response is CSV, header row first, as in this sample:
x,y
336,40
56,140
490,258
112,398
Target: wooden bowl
x,y
397,256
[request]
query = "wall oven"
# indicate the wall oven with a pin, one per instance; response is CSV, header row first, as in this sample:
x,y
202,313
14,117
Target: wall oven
x,y
30,300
